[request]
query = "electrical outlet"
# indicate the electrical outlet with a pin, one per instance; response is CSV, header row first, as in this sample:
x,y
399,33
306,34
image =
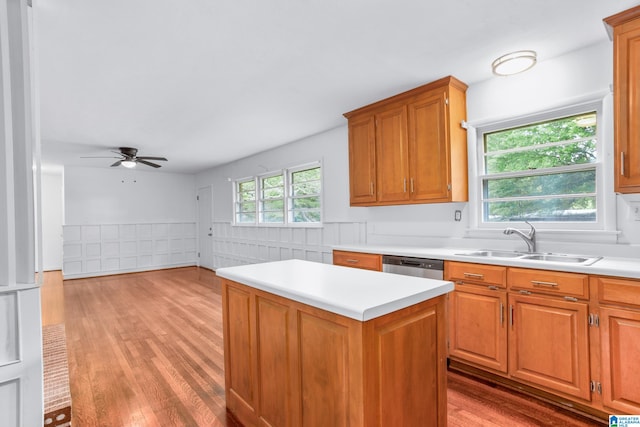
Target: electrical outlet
x,y
458,215
634,211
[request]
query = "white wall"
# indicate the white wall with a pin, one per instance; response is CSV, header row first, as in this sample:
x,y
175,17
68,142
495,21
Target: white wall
x,y
52,218
120,220
119,195
550,84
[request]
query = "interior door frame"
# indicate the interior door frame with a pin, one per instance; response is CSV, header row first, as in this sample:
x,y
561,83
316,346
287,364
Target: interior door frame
x,y
201,253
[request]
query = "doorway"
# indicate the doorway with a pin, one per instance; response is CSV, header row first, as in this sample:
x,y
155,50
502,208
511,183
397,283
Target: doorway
x,y
205,227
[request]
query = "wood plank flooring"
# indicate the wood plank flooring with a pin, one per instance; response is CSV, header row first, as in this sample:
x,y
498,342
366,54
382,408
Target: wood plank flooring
x,y
146,349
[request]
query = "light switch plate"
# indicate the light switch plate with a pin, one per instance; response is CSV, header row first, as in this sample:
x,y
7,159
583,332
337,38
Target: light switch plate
x,y
634,211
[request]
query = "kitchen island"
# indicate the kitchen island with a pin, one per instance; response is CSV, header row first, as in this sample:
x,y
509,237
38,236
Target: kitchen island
x,y
316,345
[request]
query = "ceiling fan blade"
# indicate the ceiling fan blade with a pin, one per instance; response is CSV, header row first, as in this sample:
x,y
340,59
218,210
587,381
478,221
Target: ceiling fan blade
x,y
116,163
151,158
98,157
144,162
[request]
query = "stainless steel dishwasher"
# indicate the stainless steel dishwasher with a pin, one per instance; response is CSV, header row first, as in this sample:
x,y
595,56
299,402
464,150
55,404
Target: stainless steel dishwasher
x,y
411,266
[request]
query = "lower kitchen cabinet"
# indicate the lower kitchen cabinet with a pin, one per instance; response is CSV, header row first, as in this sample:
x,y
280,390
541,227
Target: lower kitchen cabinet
x,y
477,326
549,345
358,260
619,326
620,343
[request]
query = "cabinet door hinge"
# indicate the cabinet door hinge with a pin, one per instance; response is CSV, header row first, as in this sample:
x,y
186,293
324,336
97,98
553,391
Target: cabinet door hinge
x,y
595,387
594,320
446,101
448,187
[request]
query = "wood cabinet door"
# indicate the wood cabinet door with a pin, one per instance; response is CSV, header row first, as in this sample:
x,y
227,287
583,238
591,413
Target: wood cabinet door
x,y
478,327
428,149
549,344
627,106
362,160
620,343
392,163
239,347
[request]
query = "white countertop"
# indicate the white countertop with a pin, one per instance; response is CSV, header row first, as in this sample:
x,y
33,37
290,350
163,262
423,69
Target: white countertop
x,y
607,266
351,292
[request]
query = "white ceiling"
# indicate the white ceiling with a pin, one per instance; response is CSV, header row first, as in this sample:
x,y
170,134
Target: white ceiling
x,y
205,82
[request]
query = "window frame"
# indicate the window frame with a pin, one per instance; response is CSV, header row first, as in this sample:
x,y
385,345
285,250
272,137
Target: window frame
x,y
290,197
287,196
605,199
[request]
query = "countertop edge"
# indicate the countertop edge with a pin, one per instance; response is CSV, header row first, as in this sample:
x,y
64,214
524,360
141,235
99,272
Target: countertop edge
x,y
607,266
437,288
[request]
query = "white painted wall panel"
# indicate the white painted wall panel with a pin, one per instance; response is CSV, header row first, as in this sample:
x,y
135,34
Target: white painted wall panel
x,y
10,402
123,196
52,219
9,344
119,248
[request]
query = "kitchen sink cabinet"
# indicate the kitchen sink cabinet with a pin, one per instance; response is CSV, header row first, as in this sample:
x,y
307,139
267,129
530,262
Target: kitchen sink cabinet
x,y
477,326
626,63
419,149
548,343
619,327
477,310
549,330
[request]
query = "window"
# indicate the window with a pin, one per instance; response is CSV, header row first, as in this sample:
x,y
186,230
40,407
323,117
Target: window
x,y
245,205
291,196
272,199
541,171
304,196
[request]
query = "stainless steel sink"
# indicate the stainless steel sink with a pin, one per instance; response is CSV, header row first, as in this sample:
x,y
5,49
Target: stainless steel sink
x,y
548,257
575,259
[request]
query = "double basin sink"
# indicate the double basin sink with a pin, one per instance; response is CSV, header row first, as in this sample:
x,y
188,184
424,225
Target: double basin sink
x,y
549,257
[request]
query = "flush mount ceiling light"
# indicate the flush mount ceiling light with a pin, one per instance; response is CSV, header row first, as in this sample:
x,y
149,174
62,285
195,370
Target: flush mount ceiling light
x,y
128,164
514,63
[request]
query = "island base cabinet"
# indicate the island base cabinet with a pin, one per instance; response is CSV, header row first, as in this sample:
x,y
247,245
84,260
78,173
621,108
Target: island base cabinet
x,y
290,364
620,340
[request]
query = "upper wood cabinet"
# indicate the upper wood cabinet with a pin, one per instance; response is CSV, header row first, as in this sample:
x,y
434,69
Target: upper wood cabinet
x,y
626,86
410,148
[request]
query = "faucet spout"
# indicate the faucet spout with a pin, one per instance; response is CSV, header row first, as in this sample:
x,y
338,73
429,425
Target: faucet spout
x,y
528,237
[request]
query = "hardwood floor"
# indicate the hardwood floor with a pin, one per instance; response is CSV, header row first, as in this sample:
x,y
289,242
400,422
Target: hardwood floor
x,y
146,349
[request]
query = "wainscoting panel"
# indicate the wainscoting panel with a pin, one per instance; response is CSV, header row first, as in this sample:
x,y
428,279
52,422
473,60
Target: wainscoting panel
x,y
95,250
238,245
9,332
10,402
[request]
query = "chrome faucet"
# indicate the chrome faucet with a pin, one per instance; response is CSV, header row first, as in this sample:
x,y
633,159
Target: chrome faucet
x,y
529,238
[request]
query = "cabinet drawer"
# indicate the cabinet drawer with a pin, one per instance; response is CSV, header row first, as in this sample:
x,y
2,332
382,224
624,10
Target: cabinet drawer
x,y
549,282
358,260
476,273
618,291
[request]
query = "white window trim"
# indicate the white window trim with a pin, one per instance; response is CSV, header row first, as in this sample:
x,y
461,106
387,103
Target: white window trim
x,y
604,230
286,172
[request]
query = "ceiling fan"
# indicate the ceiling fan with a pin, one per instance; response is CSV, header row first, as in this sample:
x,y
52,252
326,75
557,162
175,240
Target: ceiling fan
x,y
129,158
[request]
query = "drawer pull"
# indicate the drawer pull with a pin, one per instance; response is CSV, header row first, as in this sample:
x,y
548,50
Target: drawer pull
x,y
353,261
546,284
474,275
492,288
